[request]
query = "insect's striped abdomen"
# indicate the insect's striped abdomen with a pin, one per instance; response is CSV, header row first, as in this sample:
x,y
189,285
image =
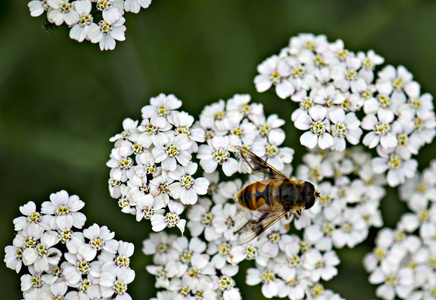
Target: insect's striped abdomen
x,y
259,193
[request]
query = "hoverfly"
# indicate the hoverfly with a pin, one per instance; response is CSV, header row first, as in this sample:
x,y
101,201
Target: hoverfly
x,y
272,198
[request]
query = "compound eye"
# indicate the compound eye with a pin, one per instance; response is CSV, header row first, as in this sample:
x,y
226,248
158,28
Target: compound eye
x,y
310,201
311,195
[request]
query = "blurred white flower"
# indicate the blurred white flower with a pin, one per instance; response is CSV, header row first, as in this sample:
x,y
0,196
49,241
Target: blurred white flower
x,y
380,130
62,11
116,284
135,5
79,31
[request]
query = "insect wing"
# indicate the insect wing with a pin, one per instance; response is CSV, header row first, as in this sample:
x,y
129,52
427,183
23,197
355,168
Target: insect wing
x,y
253,164
254,227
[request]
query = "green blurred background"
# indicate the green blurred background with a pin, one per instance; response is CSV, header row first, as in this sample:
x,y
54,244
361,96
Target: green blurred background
x,y
61,100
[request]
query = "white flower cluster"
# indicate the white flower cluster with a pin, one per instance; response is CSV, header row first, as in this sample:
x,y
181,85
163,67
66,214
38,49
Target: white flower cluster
x,y
204,265
349,202
285,265
98,21
237,123
334,86
404,260
64,262
152,173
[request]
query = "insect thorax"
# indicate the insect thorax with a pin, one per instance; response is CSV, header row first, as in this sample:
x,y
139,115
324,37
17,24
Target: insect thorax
x,y
292,195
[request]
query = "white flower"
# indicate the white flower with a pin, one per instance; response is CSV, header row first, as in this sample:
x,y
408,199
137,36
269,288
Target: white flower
x,y
369,61
62,11
173,151
77,266
100,238
320,265
162,106
160,246
13,258
159,188
406,146
418,190
307,42
399,283
147,206
120,166
110,13
353,230
163,273
80,29
170,219
248,252
28,238
217,152
294,288
130,131
31,217
227,220
220,249
187,188
274,71
301,75
65,210
213,118
398,169
265,276
329,96
305,102
73,240
347,77
57,291
395,81
105,34
135,5
43,254
93,291
238,105
425,124
153,132
205,288
276,157
116,284
315,168
113,263
270,126
227,286
242,133
33,283
315,120
344,126
201,218
380,130
183,123
37,7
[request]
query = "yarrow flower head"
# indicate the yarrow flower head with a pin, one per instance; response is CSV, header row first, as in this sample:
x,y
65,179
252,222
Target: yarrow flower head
x,y
98,21
151,164
152,173
345,83
58,260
